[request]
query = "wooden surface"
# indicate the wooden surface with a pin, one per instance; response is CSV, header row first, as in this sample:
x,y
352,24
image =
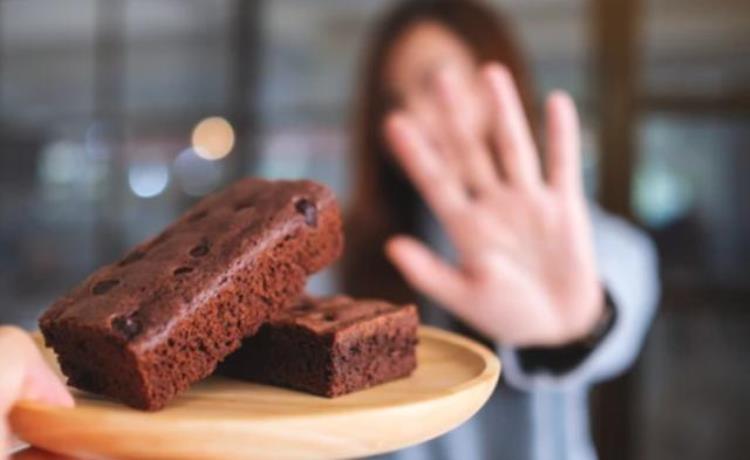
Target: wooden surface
x,y
222,418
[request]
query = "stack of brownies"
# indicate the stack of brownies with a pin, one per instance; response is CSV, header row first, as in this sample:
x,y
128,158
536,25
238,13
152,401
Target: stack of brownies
x,y
225,283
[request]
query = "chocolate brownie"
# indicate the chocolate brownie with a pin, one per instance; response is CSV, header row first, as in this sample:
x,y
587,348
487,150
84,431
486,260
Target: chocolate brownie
x,y
142,329
330,346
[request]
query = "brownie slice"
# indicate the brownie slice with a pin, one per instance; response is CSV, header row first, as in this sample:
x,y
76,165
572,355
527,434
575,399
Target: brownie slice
x,y
330,346
142,329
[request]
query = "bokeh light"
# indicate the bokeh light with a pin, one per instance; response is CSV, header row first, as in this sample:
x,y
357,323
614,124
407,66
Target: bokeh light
x,y
61,162
661,196
213,138
196,175
148,180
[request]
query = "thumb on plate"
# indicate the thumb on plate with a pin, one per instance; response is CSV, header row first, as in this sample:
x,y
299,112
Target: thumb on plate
x,y
24,373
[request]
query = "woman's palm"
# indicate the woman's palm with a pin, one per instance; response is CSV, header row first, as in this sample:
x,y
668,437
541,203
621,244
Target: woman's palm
x,y
526,273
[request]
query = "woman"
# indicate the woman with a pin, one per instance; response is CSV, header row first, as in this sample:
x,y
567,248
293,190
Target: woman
x,y
447,153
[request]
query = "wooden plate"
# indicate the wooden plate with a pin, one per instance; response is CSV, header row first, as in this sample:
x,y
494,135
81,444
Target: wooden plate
x,y
221,418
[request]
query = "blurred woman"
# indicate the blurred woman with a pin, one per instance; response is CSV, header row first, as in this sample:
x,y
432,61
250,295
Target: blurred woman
x,y
454,201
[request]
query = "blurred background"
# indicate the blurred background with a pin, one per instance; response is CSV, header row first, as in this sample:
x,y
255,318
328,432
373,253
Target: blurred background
x,y
115,116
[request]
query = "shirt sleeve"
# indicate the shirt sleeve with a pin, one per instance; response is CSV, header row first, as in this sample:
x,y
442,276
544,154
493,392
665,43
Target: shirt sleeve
x,y
628,267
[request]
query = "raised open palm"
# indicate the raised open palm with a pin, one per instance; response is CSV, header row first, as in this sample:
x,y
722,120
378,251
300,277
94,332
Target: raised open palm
x,y
526,273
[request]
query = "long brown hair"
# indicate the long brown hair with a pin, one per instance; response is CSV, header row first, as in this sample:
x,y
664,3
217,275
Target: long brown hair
x,y
384,202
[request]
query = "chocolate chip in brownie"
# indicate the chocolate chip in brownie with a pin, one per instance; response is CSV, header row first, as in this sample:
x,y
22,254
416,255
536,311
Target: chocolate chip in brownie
x,y
128,326
102,287
134,256
244,205
307,209
200,250
163,236
182,271
195,217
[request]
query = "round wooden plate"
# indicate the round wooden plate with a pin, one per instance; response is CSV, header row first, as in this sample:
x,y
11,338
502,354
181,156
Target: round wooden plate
x,y
221,418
